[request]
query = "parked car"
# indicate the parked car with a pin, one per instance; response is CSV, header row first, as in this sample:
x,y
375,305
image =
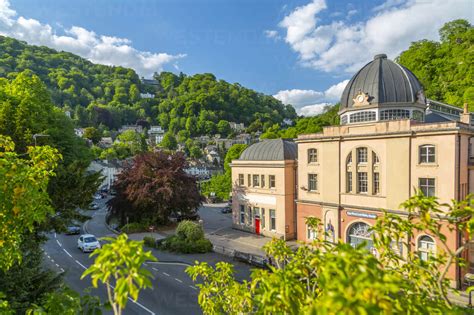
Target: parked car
x,y
73,229
226,209
93,206
88,243
98,196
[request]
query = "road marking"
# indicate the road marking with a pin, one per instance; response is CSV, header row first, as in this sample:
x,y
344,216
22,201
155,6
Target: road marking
x,y
57,265
154,268
59,243
62,270
145,264
166,274
52,260
193,287
81,264
170,263
67,252
54,234
178,280
141,305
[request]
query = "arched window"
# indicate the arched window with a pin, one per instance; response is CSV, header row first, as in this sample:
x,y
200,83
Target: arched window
x,y
418,115
426,247
348,173
358,233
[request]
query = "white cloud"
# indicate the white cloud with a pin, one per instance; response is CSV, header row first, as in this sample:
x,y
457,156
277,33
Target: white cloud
x,y
102,49
310,102
272,34
312,110
343,46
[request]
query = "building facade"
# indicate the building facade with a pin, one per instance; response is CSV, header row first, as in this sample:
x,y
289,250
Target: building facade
x,y
264,187
390,141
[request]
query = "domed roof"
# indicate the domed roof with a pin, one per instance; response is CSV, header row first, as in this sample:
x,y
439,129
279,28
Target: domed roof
x,y
270,150
382,81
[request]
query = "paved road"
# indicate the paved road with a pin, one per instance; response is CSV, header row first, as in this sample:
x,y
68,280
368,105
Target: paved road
x,y
173,291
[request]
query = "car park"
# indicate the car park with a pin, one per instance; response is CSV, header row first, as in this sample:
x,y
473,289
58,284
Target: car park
x,y
73,229
88,243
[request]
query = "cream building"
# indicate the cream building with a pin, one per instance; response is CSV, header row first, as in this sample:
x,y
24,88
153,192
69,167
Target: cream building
x,y
391,141
264,183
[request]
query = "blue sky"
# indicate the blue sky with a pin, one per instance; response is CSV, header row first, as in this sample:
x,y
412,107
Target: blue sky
x,y
301,51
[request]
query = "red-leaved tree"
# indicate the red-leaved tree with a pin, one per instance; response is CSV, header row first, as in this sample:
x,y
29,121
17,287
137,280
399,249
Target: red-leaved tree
x,y
153,186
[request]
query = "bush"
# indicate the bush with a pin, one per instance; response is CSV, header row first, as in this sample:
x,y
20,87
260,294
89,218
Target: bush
x,y
134,227
189,230
189,238
149,241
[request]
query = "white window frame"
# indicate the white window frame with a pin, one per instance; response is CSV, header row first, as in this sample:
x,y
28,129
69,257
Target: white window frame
x,y
271,181
424,184
362,183
312,155
272,219
426,248
424,155
314,180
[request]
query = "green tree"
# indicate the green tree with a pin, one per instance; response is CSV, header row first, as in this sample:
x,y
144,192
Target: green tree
x,y
223,128
25,202
92,134
121,262
444,68
169,141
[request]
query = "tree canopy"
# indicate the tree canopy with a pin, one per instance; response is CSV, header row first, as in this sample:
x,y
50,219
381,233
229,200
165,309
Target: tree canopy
x,y
153,186
107,97
445,68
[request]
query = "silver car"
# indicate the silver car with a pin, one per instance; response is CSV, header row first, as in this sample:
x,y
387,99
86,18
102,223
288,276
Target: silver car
x,y
88,243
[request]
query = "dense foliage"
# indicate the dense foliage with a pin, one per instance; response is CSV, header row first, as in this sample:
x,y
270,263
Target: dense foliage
x,y
336,278
107,97
305,125
220,186
189,238
152,187
445,68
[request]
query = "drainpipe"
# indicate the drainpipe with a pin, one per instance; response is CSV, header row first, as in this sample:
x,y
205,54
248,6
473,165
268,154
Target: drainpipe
x,y
295,187
458,268
340,191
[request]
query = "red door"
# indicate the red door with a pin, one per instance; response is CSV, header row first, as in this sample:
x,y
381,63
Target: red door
x,y
257,226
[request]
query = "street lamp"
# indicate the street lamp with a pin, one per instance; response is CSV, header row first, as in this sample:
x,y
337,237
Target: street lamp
x,y
36,135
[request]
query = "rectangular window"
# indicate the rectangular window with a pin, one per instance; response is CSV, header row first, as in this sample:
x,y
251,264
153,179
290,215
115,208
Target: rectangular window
x,y
349,182
376,183
427,154
272,220
249,180
256,212
362,155
362,182
312,155
312,182
249,217
427,186
241,180
256,180
262,181
242,214
262,221
271,181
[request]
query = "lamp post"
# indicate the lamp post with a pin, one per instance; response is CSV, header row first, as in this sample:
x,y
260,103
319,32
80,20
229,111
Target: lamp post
x,y
36,135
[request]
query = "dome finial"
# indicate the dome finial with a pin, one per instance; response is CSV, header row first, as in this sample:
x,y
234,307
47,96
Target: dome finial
x,y
380,56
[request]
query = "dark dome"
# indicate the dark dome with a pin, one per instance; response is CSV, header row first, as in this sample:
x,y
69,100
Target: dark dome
x,y
270,150
384,82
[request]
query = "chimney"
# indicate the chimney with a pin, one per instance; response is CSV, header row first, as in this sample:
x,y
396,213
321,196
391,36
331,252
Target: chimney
x,y
466,116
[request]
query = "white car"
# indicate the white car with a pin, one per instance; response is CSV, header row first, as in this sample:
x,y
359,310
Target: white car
x,y
88,243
